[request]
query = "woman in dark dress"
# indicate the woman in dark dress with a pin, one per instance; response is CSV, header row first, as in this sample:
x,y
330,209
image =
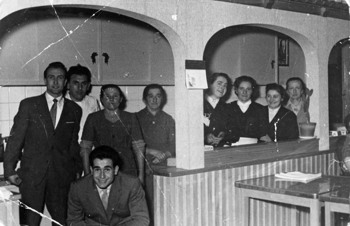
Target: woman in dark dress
x,y
116,128
215,109
282,122
246,116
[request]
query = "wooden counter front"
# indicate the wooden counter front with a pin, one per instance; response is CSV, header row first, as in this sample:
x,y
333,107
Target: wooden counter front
x,y
208,196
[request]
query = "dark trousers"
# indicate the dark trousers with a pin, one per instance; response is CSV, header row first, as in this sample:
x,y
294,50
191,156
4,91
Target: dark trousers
x,y
149,195
50,191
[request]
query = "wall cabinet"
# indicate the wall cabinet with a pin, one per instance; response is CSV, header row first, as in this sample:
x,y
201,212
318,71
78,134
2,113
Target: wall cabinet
x,y
116,49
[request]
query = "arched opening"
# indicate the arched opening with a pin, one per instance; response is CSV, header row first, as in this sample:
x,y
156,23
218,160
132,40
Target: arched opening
x,y
115,47
338,85
257,52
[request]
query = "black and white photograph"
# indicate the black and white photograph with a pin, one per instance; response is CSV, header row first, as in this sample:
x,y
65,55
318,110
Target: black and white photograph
x,y
174,113
283,52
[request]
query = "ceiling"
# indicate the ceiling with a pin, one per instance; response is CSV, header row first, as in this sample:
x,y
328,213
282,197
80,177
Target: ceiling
x,y
326,8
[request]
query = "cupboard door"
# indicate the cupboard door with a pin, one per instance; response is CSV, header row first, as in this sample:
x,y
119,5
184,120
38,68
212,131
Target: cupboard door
x,y
134,53
18,44
126,49
71,40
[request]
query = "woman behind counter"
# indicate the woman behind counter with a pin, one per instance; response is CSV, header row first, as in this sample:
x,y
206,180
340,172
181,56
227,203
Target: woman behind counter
x,y
299,98
246,116
215,108
282,122
116,128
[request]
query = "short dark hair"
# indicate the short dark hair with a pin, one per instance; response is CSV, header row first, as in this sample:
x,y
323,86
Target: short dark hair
x,y
276,87
246,78
303,86
155,86
104,152
57,65
79,70
212,78
122,104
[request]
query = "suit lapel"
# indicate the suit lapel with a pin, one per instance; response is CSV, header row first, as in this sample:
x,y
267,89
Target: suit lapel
x,y
44,115
114,197
95,198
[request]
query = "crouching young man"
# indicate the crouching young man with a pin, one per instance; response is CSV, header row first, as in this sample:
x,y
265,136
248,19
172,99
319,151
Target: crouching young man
x,y
107,197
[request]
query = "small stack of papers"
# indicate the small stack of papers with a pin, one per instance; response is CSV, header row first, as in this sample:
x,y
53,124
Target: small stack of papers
x,y
5,194
298,176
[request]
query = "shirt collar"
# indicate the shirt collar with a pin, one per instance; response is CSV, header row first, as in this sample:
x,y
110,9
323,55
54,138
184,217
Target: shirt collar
x,y
274,110
100,190
69,98
212,101
246,104
50,98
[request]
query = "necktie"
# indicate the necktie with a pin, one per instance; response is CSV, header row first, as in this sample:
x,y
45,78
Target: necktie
x,y
104,198
53,112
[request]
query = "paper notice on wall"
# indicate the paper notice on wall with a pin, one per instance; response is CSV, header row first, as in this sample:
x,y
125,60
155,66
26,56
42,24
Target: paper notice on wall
x,y
196,79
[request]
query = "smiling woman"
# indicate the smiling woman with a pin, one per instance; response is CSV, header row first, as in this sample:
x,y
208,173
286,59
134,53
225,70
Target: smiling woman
x,y
246,116
282,122
215,109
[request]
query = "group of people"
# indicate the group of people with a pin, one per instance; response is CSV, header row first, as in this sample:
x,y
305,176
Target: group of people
x,y
227,123
84,160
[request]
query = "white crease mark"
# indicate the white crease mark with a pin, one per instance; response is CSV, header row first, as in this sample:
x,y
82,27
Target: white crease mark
x,y
19,203
68,34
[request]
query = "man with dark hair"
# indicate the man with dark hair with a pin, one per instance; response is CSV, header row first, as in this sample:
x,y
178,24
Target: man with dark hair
x,y
107,196
46,128
78,87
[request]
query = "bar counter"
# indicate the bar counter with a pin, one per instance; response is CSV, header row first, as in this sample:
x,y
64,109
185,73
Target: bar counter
x,y
208,196
252,154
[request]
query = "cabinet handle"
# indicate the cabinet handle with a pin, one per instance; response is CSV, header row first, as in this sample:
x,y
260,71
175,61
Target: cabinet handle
x,y
106,56
93,57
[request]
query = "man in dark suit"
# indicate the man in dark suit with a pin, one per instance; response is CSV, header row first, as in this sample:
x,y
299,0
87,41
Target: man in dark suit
x,y
46,128
107,197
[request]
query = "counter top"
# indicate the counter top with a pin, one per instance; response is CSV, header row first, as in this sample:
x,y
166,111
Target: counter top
x,y
223,158
325,185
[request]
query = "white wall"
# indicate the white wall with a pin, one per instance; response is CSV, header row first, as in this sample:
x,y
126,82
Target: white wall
x,y
10,98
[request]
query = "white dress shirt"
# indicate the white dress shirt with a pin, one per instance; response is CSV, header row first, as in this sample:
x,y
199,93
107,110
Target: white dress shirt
x,y
60,103
244,106
213,101
88,105
272,113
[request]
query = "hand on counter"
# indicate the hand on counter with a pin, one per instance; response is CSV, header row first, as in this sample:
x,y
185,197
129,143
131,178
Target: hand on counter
x,y
213,140
265,138
346,165
15,179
